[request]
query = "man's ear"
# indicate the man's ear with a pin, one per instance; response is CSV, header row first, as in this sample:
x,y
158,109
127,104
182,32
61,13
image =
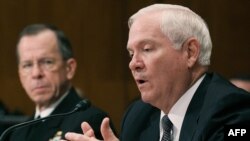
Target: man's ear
x,y
192,48
71,68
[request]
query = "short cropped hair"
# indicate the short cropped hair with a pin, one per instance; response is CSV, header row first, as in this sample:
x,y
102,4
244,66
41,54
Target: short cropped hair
x,y
63,42
180,23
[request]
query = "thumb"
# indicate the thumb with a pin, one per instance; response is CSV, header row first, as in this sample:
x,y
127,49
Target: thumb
x,y
107,133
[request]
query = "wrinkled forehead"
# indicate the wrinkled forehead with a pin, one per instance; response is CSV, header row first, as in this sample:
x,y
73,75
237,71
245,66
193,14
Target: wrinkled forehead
x,y
39,44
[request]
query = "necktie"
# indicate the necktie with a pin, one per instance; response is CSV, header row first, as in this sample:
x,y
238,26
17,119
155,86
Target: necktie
x,y
167,128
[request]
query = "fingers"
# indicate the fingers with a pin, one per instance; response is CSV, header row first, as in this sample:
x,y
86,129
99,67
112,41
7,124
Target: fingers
x,y
88,134
76,137
87,130
107,133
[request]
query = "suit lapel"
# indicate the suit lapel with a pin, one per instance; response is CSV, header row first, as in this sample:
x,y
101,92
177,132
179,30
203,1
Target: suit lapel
x,y
49,128
152,131
191,118
54,125
21,133
68,103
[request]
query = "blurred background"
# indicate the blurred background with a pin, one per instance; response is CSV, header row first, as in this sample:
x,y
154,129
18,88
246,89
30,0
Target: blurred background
x,y
98,32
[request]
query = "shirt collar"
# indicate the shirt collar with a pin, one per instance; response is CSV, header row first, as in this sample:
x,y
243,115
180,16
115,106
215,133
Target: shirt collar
x,y
178,111
46,112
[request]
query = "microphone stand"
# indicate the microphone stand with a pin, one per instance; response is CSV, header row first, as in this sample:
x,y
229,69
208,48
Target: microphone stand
x,y
82,105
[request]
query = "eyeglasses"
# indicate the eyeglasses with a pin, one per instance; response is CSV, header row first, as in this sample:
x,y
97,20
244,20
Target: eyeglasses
x,y
45,64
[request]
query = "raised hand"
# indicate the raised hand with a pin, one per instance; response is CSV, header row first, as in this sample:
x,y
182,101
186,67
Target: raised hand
x,y
88,133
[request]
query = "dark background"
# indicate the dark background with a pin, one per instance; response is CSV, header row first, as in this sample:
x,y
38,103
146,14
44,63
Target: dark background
x,y
98,32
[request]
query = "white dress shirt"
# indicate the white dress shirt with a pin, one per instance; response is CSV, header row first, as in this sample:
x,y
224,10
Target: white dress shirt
x,y
50,109
178,111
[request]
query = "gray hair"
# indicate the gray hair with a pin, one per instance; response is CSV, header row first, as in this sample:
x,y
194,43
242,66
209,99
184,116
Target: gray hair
x,y
179,23
63,42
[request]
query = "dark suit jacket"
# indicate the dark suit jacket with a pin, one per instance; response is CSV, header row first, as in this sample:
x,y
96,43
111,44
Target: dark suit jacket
x,y
48,129
216,103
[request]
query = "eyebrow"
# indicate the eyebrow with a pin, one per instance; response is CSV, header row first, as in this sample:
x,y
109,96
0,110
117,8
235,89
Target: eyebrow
x,y
39,59
142,42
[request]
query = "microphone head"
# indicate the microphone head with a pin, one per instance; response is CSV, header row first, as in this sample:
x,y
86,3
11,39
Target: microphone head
x,y
82,105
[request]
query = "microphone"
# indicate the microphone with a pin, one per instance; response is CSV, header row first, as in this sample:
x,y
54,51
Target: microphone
x,y
81,106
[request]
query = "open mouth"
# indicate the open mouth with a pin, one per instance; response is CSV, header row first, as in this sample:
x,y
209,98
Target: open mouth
x,y
140,81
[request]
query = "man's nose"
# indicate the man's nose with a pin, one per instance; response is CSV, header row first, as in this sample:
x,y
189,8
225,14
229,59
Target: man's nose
x,y
37,71
136,63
